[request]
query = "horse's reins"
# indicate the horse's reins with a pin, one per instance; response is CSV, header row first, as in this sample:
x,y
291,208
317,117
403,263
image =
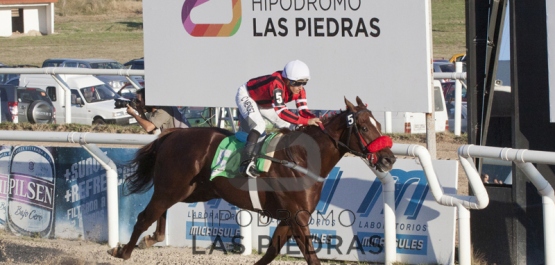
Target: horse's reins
x,y
370,149
291,165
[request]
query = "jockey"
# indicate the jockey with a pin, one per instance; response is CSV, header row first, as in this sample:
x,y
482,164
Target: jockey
x,y
266,96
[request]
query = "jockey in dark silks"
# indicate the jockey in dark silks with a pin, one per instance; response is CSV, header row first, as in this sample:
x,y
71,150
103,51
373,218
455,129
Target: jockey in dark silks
x,y
266,96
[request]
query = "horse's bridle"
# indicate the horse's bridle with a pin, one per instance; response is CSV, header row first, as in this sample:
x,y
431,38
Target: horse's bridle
x,y
369,150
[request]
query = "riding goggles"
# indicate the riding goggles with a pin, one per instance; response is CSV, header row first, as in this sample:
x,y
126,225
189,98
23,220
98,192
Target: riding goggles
x,y
298,83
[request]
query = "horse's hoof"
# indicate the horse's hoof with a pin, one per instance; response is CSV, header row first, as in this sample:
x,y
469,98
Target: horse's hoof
x,y
117,252
114,251
143,244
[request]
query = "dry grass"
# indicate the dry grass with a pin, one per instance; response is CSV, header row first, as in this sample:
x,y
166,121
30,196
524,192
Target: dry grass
x,y
448,28
8,126
97,7
421,138
111,29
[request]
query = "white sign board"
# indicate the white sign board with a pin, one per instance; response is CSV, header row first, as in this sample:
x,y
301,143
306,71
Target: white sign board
x,y
550,20
198,52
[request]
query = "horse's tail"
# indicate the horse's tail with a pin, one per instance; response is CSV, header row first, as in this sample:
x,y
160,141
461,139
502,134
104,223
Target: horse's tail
x,y
141,180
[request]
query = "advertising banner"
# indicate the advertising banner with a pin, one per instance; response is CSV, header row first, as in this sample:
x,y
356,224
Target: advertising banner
x,y
82,200
31,191
5,156
204,224
61,192
348,223
352,47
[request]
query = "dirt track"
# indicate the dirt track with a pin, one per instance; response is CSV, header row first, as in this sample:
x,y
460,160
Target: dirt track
x,y
22,250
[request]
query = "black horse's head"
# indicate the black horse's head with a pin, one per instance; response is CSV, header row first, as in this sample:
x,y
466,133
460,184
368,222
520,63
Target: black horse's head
x,y
365,138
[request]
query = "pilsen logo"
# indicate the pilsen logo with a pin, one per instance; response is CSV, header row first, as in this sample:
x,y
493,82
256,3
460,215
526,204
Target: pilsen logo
x,y
31,191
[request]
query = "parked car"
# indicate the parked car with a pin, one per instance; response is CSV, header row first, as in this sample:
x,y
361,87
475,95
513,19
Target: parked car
x,y
443,66
25,104
54,62
129,91
92,101
197,116
449,92
138,64
12,79
458,57
114,81
6,78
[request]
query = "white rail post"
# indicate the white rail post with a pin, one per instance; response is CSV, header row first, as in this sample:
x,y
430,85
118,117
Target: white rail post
x,y
388,122
465,250
458,100
546,191
246,220
67,96
111,191
390,220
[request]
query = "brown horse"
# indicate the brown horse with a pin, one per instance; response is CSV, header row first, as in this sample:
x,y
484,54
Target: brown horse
x,y
178,164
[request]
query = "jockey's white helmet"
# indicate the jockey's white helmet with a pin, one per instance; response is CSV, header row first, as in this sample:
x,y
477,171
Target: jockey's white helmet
x,y
296,70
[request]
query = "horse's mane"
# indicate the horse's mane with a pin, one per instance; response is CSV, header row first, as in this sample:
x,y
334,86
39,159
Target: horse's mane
x,y
324,119
328,117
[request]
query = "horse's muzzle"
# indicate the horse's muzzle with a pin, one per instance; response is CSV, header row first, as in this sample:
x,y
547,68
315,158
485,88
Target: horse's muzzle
x,y
385,163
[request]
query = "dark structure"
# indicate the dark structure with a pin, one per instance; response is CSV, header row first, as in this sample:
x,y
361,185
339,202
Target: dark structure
x,y
510,229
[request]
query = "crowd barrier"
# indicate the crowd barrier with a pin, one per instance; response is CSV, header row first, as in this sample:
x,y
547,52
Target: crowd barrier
x,y
349,224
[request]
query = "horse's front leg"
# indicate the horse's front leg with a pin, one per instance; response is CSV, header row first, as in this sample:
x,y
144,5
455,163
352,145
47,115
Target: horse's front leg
x,y
279,238
158,236
301,233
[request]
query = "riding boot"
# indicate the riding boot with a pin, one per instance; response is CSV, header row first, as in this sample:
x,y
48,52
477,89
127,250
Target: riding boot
x,y
249,151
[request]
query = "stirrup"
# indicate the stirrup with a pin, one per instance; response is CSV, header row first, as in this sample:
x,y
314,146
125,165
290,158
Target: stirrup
x,y
251,169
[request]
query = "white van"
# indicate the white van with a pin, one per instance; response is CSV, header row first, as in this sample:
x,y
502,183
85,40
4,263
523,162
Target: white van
x,y
415,122
92,101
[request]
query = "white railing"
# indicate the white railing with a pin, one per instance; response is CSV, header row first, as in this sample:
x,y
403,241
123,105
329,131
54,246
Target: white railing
x,y
458,76
523,159
458,101
462,202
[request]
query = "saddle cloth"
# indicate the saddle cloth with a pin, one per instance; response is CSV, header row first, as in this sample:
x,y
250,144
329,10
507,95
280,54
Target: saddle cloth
x,y
228,155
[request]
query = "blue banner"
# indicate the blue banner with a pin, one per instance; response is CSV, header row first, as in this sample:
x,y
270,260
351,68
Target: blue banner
x,y
61,192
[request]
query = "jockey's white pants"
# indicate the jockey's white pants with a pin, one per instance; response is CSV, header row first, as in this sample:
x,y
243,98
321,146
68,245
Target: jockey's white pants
x,y
252,116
